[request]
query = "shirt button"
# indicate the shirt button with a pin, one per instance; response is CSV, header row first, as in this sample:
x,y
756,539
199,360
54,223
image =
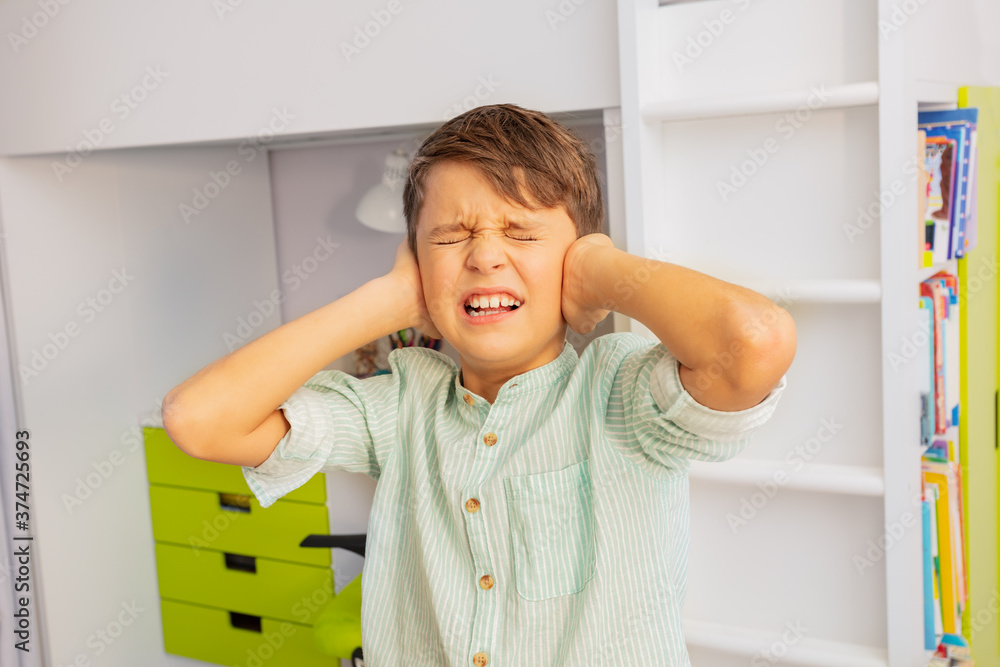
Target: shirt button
x,y
472,505
468,399
486,582
490,439
480,659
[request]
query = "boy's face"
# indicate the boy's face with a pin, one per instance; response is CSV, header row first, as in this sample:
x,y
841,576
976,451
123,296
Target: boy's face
x,y
470,242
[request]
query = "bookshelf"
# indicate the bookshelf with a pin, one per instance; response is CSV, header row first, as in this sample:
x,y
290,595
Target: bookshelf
x,y
978,422
815,107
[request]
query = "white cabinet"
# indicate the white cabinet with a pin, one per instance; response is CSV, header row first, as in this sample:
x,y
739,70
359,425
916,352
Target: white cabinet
x,y
222,66
191,279
755,134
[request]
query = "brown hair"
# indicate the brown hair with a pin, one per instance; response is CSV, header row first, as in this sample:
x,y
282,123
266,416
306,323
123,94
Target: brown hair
x,y
505,141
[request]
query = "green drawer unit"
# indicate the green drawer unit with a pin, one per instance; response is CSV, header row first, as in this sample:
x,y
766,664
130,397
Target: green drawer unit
x,y
246,584
238,524
235,586
167,464
219,636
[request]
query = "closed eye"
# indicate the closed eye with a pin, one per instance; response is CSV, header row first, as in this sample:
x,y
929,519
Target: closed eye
x,y
516,238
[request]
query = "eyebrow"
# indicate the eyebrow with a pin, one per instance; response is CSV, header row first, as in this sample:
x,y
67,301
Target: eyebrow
x,y
513,223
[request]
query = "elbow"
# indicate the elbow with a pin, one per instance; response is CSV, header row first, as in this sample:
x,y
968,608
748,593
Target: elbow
x,y
176,422
768,352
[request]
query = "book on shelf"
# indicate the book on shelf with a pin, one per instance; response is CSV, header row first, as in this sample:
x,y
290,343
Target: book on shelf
x,y
930,590
942,291
945,571
948,220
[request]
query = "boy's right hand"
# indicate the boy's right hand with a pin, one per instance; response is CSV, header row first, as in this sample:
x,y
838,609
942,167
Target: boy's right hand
x,y
407,275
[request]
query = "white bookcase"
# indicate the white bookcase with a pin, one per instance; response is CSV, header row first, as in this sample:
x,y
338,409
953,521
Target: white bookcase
x,y
753,133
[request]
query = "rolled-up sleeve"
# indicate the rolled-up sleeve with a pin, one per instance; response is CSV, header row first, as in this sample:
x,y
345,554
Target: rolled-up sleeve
x,y
338,422
669,425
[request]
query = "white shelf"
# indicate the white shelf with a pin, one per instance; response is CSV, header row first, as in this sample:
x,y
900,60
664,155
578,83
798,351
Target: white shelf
x,y
939,94
817,291
836,97
817,477
806,651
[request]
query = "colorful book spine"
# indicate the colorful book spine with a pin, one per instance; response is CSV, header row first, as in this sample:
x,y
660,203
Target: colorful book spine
x,y
930,637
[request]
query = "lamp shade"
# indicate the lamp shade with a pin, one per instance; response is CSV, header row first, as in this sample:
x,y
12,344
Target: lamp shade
x,y
381,208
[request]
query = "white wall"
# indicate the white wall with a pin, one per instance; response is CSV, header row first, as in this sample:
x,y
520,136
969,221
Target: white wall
x,y
223,73
185,286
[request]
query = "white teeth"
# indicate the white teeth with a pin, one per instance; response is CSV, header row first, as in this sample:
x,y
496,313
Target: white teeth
x,y
493,301
490,305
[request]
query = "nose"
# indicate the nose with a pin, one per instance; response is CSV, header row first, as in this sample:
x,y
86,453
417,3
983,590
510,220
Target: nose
x,y
487,254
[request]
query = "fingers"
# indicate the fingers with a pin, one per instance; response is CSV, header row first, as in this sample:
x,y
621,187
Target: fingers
x,y
585,322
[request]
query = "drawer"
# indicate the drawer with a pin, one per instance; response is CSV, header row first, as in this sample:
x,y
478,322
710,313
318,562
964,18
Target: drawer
x,y
257,586
215,635
167,464
238,524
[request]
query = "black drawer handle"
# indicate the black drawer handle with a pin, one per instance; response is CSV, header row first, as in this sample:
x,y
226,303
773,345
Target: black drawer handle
x,y
242,563
244,621
234,502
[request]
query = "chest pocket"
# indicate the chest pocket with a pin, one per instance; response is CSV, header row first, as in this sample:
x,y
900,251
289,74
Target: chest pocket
x,y
552,531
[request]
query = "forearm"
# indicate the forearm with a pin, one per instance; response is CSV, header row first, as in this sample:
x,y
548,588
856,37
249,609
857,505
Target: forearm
x,y
716,330
232,396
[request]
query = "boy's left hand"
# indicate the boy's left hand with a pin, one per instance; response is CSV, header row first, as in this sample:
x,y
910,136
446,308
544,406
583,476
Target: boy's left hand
x,y
581,308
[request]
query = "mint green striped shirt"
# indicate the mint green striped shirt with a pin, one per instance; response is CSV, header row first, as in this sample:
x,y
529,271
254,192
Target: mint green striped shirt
x,y
550,528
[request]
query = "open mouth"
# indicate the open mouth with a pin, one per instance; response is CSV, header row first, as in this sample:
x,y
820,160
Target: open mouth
x,y
480,306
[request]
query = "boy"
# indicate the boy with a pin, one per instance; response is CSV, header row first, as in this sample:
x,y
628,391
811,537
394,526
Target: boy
x,y
531,505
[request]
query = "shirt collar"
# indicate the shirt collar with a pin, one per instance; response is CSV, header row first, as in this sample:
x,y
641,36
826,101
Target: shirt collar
x,y
537,378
